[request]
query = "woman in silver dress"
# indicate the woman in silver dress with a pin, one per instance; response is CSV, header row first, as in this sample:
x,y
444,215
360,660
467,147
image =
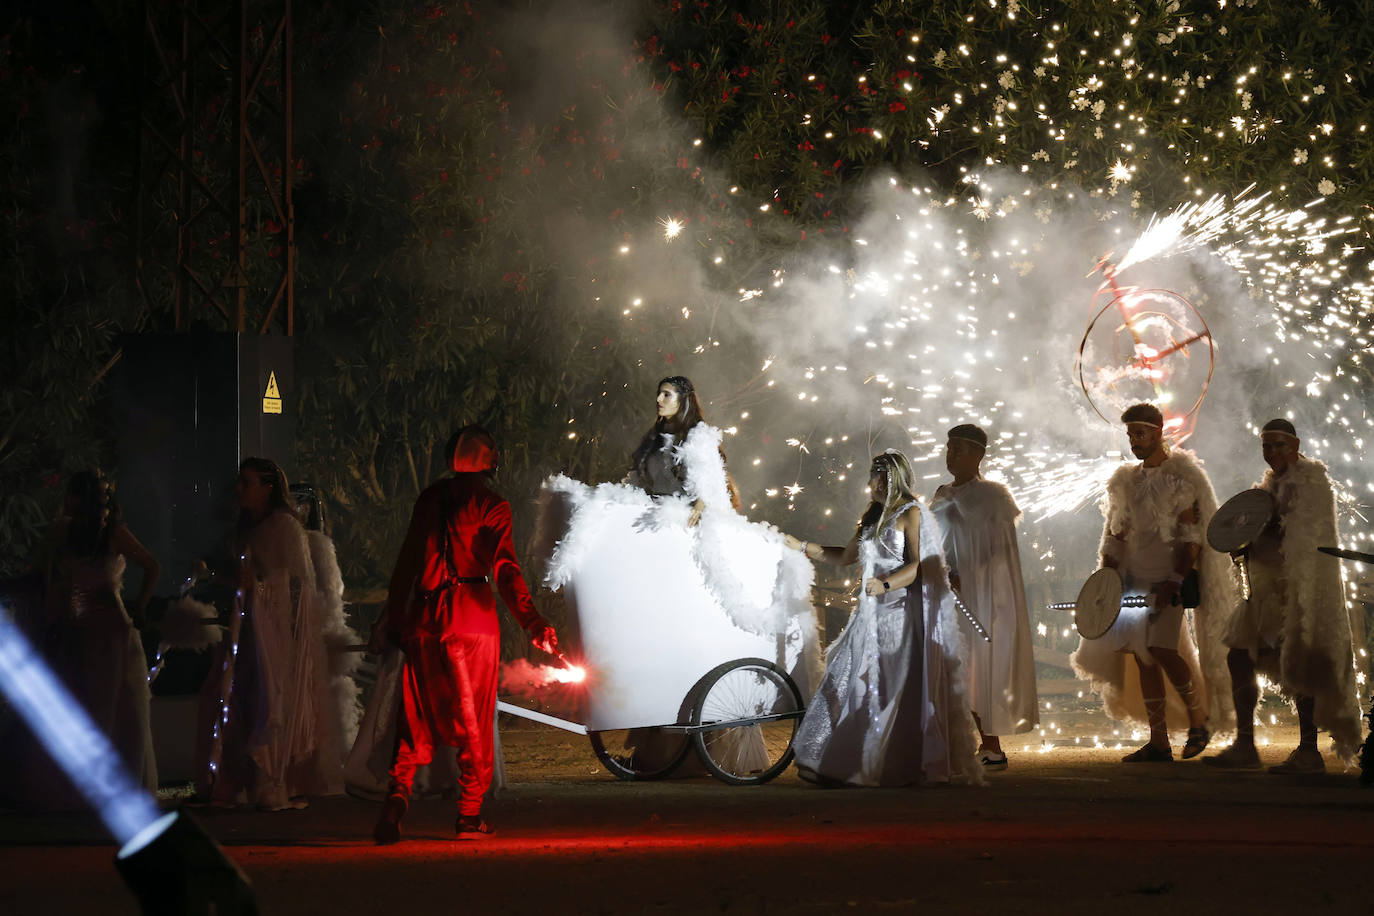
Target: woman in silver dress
x,y
892,707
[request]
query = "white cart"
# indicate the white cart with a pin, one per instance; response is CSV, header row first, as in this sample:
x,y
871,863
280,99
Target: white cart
x,y
668,667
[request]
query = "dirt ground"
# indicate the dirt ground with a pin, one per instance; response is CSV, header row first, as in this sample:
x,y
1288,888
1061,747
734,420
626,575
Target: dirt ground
x,y
1065,829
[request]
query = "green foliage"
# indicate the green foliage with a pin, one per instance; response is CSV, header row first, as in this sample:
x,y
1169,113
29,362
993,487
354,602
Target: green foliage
x,y
807,96
61,259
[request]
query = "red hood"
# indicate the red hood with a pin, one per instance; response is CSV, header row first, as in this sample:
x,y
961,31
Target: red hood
x,y
475,452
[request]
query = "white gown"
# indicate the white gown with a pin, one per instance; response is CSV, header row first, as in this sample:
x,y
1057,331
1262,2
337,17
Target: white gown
x,y
892,706
978,520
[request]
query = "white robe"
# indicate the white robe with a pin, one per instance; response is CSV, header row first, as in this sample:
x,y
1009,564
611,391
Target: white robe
x,y
1303,598
978,521
1143,513
304,711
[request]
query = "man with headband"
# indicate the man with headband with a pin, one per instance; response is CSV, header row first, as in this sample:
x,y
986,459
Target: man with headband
x,y
441,611
1156,513
978,521
1295,628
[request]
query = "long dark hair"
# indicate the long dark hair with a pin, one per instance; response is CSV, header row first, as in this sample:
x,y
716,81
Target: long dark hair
x,y
271,474
95,515
679,424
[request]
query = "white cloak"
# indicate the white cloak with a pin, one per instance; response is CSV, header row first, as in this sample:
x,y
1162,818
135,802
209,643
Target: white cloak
x,y
978,520
1316,657
1184,483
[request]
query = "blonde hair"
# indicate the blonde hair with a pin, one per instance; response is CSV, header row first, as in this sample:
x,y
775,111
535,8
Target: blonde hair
x,y
901,487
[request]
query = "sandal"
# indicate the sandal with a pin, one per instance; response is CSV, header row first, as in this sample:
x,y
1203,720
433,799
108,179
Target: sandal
x,y
471,823
1150,754
1197,742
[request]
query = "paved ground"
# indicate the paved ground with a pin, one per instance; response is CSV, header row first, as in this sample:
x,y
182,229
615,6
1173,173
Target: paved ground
x,y
1069,831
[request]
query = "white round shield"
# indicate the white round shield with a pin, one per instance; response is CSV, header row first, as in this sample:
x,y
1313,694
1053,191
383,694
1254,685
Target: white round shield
x,y
1099,603
1240,521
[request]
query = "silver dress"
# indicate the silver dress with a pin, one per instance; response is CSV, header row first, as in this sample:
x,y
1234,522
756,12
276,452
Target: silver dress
x,y
863,726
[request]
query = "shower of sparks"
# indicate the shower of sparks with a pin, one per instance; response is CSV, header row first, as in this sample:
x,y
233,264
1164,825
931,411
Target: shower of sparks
x,y
964,303
672,227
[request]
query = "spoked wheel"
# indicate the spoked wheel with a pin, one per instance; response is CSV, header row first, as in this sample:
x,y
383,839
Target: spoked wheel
x,y
747,711
640,753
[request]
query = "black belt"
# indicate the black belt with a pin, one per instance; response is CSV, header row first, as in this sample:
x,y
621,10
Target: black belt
x,y
468,580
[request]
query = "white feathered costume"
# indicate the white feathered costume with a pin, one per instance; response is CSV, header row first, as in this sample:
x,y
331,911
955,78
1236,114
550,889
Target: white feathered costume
x,y
301,715
660,603
1147,505
978,521
1300,607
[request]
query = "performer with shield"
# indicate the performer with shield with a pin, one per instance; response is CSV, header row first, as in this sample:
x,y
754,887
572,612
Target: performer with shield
x,y
1155,515
978,521
1293,625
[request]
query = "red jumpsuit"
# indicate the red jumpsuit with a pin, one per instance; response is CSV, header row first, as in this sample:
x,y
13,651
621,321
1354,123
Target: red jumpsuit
x,y
443,614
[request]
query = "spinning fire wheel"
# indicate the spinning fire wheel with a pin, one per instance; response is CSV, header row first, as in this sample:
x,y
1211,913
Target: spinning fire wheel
x,y
1145,345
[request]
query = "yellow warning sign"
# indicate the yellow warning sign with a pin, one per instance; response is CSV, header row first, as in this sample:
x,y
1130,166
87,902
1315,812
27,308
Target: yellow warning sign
x,y
271,400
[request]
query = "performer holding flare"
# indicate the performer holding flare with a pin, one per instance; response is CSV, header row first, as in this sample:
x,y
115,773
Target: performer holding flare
x,y
1294,628
892,707
441,611
978,520
1155,514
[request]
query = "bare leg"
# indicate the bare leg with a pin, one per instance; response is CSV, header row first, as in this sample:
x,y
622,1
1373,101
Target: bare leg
x,y
1181,676
1152,689
1306,759
986,742
1307,727
1241,755
1244,693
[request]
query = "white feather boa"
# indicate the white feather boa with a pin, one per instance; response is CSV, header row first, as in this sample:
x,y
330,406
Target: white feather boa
x,y
1126,508
279,543
1317,658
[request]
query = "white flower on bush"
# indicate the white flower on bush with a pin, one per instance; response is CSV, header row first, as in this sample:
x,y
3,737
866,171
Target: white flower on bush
x,y
1326,187
1005,79
1319,90
1299,156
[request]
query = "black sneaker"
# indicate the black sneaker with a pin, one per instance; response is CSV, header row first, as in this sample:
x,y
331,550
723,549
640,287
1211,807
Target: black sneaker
x,y
388,829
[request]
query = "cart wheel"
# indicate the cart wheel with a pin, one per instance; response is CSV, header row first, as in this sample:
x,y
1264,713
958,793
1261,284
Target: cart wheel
x,y
752,753
639,753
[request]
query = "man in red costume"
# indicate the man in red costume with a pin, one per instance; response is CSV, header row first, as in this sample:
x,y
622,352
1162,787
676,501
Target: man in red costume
x,y
441,611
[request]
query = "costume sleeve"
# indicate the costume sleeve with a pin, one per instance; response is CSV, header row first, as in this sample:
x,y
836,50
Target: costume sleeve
x,y
510,581
424,519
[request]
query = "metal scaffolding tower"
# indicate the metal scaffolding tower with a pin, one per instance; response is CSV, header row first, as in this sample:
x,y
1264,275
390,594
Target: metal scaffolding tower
x,y
215,225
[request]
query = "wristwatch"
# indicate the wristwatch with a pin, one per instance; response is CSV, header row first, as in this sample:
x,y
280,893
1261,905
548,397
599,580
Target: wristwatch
x,y
886,584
